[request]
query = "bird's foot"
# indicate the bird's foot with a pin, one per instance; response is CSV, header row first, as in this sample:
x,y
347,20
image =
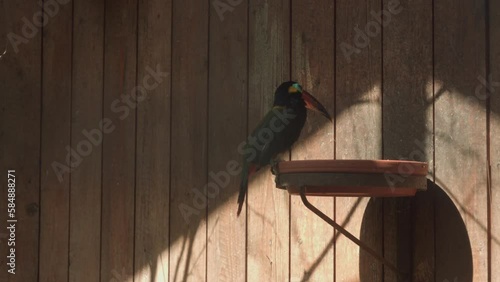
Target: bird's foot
x,y
275,171
274,166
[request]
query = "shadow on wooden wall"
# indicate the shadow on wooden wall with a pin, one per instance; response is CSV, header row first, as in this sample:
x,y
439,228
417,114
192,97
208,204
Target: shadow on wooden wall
x,y
455,257
419,85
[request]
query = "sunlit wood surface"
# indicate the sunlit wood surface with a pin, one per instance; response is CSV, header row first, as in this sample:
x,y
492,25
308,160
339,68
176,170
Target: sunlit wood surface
x,y
140,106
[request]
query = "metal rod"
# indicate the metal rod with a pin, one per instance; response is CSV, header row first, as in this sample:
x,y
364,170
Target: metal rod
x,y
346,233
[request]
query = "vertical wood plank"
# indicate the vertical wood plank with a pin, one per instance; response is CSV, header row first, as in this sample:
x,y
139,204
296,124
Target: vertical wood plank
x,y
268,208
4,28
311,254
461,134
56,132
407,131
494,26
117,251
189,139
227,108
86,115
153,142
359,136
20,73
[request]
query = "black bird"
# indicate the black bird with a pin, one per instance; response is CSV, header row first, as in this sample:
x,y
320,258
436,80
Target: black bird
x,y
277,131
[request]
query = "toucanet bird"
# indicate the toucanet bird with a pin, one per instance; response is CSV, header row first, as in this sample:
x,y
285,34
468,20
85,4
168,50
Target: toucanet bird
x,y
277,131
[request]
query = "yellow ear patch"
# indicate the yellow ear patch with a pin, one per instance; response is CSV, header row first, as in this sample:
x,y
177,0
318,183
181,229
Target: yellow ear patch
x,y
292,89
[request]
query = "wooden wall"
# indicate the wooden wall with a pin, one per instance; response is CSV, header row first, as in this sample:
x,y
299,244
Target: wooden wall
x,y
122,120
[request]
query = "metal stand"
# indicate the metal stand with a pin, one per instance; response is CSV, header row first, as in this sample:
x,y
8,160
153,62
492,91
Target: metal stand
x,y
347,234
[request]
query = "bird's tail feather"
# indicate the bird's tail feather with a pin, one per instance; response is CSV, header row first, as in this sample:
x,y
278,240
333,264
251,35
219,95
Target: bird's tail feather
x,y
247,171
243,190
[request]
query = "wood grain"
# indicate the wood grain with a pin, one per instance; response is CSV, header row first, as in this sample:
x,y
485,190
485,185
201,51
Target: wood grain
x,y
227,127
4,28
86,115
494,116
313,58
407,131
189,139
20,73
268,207
358,105
152,209
460,118
56,132
117,216
118,171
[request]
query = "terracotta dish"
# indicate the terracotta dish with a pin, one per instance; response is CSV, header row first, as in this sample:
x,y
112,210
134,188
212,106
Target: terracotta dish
x,y
352,178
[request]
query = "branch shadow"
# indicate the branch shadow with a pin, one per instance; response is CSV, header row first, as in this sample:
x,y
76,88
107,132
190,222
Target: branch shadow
x,y
316,263
451,241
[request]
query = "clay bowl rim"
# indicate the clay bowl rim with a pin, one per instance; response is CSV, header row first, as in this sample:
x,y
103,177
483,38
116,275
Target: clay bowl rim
x,y
402,167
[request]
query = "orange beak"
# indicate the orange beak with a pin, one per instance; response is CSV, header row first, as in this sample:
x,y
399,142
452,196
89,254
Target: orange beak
x,y
315,105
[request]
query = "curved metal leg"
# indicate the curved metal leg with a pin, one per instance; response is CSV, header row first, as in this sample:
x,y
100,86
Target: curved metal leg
x,y
347,234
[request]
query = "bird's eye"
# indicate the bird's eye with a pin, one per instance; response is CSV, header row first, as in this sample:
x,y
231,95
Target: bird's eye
x,y
295,88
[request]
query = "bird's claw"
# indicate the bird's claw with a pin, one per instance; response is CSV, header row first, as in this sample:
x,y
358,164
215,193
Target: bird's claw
x,y
274,166
275,171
